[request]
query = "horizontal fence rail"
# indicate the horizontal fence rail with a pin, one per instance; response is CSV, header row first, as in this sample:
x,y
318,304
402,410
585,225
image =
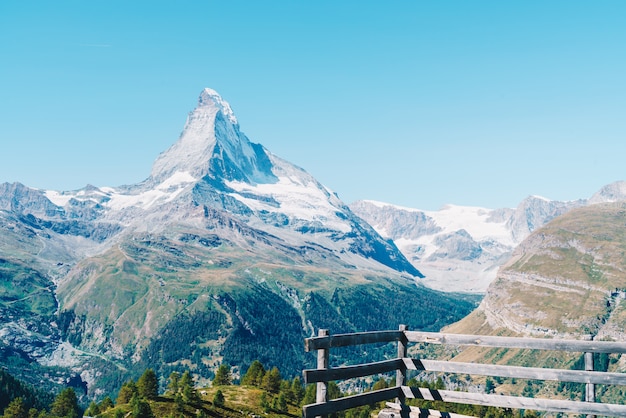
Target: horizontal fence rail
x,y
323,374
343,340
517,342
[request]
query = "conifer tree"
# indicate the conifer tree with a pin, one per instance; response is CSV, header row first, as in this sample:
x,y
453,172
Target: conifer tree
x,y
264,403
222,376
218,399
282,402
271,380
254,375
16,409
93,409
65,405
141,408
148,385
297,390
172,387
126,393
106,403
187,388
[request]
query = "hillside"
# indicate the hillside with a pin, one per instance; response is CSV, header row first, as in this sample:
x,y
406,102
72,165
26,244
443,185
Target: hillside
x,y
566,280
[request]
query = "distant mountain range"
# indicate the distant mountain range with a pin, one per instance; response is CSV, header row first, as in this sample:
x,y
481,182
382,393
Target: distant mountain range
x,y
224,254
461,248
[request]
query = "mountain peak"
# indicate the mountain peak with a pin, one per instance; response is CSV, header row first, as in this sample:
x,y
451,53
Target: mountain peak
x,y
211,131
613,192
211,98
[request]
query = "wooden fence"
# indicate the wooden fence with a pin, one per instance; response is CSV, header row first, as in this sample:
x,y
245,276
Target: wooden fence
x,y
323,374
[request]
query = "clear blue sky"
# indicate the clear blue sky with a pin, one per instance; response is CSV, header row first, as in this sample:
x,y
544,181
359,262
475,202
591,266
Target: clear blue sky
x,y
417,103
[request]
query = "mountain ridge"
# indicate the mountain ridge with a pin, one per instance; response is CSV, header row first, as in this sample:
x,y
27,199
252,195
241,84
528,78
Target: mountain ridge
x,y
462,247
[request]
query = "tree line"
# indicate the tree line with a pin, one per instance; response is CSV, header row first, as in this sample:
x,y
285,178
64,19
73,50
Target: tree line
x,y
141,398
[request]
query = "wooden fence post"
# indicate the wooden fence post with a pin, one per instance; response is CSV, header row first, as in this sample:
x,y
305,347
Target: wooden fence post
x,y
401,373
321,395
590,388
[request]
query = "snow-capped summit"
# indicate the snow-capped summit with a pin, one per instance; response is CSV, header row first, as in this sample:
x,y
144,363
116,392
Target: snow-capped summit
x,y
211,98
212,144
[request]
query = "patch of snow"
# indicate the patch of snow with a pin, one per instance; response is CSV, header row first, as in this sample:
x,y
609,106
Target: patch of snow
x,y
58,198
297,199
217,100
475,220
166,191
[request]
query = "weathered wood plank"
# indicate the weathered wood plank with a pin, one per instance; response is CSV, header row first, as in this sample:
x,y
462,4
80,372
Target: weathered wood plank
x,y
517,342
348,402
342,340
516,402
419,412
350,372
537,373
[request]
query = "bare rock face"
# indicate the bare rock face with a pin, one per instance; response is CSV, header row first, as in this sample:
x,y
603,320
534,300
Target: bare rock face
x,y
613,192
534,212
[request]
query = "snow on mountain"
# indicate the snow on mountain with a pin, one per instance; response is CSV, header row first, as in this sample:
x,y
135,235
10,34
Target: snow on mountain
x,y
212,134
458,248
300,197
214,165
461,248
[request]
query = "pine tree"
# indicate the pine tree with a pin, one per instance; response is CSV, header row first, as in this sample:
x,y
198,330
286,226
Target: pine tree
x,y
107,403
271,380
218,399
141,408
380,384
126,393
222,376
65,405
187,388
263,401
16,409
309,394
297,390
172,387
93,409
148,385
254,375
282,402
